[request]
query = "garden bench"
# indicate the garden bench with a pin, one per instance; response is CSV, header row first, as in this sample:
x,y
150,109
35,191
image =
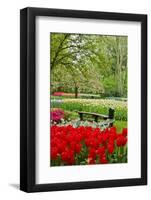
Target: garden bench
x,y
109,119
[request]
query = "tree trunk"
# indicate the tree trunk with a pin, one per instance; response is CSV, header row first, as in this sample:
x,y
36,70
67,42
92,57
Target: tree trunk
x,y
119,68
76,92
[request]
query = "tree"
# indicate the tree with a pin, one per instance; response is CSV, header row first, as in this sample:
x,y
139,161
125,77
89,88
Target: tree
x,y
71,58
113,49
90,63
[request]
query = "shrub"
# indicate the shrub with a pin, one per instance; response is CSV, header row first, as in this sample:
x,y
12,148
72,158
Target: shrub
x,y
57,115
68,115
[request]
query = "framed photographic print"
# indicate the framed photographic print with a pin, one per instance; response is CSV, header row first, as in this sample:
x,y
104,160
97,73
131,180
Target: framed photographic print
x,y
83,99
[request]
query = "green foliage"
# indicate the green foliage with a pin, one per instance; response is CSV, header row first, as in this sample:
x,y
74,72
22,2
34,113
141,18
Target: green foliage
x,y
68,115
109,86
120,125
89,64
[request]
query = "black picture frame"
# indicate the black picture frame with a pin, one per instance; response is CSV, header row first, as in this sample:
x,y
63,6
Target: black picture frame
x,y
28,99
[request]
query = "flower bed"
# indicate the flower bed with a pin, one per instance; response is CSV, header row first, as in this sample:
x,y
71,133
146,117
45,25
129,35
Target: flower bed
x,y
72,95
56,115
87,145
96,106
58,94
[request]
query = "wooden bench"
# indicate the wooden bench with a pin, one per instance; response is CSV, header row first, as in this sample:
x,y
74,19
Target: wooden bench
x,y
109,119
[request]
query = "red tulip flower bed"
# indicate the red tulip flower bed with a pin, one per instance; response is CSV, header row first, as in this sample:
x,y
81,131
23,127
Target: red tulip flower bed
x,y
87,145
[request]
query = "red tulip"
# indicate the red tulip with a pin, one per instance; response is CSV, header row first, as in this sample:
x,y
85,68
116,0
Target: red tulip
x,y
67,142
110,148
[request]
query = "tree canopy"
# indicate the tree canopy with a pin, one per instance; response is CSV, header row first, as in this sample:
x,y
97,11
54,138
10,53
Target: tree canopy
x,y
89,63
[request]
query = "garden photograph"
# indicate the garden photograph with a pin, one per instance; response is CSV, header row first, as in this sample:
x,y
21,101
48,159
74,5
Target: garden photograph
x,y
88,99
